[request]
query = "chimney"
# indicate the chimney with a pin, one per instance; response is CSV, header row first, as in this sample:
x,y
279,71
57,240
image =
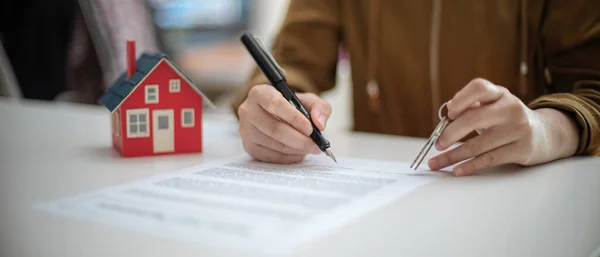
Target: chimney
x,y
130,58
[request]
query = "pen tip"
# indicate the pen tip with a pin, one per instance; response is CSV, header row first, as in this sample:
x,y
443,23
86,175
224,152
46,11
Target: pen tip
x,y
330,154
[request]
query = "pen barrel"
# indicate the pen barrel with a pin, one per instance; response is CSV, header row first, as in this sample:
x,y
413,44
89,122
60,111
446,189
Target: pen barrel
x,y
291,97
288,94
262,59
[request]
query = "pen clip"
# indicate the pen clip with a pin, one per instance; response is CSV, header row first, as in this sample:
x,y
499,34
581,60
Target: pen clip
x,y
271,59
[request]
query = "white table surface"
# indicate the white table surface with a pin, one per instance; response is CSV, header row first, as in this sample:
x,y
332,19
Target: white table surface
x,y
49,151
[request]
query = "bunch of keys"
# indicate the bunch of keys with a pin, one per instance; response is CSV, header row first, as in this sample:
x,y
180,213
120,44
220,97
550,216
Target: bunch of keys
x,y
432,139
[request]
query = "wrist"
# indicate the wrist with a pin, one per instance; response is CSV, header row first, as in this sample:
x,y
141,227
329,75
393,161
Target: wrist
x,y
561,133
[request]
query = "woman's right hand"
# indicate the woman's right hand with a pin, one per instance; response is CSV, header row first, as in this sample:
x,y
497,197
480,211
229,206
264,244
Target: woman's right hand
x,y
274,131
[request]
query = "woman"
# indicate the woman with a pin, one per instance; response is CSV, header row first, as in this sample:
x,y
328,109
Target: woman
x,y
524,74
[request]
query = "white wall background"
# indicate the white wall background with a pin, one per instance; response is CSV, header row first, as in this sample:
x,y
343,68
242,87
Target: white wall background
x,y
268,17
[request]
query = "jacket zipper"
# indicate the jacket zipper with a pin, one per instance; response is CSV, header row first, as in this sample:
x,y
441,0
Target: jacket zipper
x,y
434,59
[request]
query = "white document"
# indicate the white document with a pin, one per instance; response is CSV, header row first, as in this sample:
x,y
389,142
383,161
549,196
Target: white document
x,y
247,205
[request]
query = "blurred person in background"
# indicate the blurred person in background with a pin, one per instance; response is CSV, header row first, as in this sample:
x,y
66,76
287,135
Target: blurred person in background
x,y
524,75
70,50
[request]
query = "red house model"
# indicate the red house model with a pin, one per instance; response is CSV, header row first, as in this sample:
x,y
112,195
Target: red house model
x,y
155,108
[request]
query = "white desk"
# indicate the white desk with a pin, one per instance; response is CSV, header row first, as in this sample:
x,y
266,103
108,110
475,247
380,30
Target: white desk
x,y
49,151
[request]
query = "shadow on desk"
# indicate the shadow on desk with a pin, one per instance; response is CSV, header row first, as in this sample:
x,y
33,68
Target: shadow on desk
x,y
509,170
101,151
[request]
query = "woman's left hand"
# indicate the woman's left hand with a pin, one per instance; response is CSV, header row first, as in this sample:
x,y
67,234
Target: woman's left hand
x,y
509,132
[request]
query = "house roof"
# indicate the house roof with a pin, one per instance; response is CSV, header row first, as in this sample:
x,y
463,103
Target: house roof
x,y
122,87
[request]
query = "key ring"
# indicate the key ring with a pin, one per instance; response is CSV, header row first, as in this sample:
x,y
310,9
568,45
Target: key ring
x,y
440,110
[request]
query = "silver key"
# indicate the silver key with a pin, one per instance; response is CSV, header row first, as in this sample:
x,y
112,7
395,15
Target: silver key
x,y
432,139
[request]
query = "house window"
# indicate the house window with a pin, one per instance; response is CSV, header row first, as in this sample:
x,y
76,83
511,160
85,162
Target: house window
x,y
151,94
187,118
163,122
137,123
174,85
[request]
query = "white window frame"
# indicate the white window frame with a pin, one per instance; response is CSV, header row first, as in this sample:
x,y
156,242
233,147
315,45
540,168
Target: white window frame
x,y
117,123
144,111
175,85
183,111
112,123
148,101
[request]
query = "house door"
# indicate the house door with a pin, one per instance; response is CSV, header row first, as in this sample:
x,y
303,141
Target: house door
x,y
163,133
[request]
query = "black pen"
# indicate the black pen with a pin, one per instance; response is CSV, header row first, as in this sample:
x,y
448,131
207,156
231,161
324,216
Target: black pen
x,y
276,75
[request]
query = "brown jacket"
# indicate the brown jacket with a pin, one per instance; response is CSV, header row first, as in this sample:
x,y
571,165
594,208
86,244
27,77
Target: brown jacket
x,y
417,54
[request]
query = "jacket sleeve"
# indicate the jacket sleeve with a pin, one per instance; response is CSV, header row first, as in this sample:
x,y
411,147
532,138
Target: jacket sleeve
x,y
571,38
306,47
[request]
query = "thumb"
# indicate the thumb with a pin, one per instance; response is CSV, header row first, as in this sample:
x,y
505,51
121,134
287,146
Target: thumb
x,y
319,109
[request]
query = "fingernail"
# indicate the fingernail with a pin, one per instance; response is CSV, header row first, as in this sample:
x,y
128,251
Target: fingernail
x,y
449,107
433,164
322,119
458,171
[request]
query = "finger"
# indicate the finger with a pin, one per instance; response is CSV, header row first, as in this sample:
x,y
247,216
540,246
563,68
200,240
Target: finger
x,y
274,103
320,110
502,155
478,118
492,139
279,130
264,154
478,90
474,105
253,134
